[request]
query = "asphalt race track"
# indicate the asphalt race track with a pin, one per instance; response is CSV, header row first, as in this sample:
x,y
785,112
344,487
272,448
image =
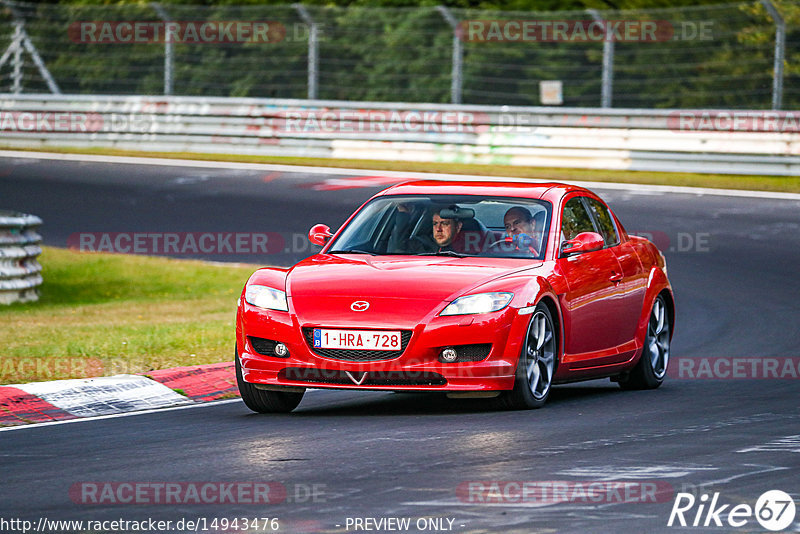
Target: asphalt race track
x,y
348,456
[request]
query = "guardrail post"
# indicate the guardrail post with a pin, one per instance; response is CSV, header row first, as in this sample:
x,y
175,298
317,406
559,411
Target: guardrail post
x,y
313,49
16,76
607,82
19,246
458,55
168,49
780,51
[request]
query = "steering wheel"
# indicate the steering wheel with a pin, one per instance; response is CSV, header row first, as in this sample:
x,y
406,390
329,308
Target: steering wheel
x,y
517,241
420,244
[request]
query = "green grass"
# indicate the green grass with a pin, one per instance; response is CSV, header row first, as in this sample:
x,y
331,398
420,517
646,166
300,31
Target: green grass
x,y
104,314
790,184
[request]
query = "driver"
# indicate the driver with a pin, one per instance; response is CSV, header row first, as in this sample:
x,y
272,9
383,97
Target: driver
x,y
443,237
445,231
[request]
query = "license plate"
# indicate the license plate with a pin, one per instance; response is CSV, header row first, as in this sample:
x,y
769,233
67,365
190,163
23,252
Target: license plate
x,y
357,339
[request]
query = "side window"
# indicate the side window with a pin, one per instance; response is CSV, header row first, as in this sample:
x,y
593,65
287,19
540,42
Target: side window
x,y
605,222
575,220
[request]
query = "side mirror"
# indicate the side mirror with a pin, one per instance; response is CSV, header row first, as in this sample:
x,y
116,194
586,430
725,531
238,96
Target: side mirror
x,y
583,242
320,234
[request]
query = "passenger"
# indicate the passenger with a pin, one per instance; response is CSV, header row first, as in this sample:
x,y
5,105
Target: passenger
x,y
398,238
522,235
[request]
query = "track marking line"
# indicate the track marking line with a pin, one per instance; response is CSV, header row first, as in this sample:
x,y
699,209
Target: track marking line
x,y
140,412
116,415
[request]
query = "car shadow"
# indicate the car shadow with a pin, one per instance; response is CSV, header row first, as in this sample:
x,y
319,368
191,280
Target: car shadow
x,y
414,403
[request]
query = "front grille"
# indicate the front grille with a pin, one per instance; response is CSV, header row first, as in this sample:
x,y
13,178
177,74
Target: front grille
x,y
374,378
471,353
358,355
263,346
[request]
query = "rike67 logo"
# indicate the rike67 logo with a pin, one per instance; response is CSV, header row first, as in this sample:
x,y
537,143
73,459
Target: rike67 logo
x,y
774,510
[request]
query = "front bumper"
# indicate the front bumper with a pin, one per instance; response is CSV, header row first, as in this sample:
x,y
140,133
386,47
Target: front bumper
x,y
417,369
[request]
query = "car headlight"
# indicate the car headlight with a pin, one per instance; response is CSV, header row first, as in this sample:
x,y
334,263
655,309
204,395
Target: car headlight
x,y
266,297
480,303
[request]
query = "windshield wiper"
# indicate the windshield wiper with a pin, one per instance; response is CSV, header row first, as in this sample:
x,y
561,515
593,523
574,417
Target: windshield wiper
x,y
444,253
354,251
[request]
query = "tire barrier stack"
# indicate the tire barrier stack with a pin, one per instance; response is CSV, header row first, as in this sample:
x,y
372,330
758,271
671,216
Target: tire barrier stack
x,y
20,272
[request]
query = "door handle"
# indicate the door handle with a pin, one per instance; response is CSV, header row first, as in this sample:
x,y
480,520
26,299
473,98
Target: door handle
x,y
615,277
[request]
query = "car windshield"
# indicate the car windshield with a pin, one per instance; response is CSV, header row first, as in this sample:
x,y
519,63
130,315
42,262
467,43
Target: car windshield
x,y
448,225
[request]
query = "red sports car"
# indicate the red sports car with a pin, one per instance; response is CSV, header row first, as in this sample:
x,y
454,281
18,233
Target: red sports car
x,y
475,289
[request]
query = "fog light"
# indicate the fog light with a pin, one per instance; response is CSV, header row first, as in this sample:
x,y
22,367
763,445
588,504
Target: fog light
x,y
281,350
449,354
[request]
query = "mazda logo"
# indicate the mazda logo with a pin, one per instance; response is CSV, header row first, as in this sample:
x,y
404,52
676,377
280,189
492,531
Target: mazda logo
x,y
353,378
359,305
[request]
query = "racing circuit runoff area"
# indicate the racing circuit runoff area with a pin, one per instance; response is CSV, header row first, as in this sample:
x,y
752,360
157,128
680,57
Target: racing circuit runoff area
x,y
715,449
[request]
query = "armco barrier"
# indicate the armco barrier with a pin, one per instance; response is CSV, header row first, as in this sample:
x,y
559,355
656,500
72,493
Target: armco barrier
x,y
19,246
731,142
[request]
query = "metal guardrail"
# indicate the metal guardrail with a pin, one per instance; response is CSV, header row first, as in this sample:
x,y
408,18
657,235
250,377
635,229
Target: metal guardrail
x,y
613,139
19,247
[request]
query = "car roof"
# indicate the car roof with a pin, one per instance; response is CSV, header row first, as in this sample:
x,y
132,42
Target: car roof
x,y
534,190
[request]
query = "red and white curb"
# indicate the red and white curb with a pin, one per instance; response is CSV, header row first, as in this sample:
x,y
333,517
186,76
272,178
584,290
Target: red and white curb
x,y
40,402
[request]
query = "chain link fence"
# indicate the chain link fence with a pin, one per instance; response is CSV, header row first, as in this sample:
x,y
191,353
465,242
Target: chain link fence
x,y
717,56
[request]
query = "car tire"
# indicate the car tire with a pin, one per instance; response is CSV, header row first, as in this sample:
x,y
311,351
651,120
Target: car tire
x,y
651,368
263,401
536,365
